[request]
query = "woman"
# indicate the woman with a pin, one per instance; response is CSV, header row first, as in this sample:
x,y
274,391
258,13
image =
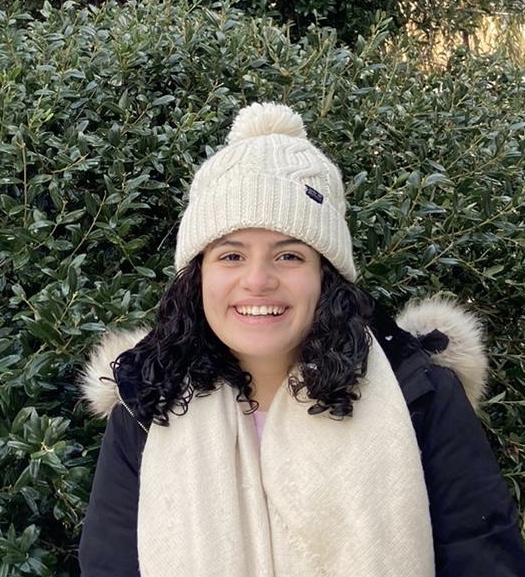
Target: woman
x,y
259,428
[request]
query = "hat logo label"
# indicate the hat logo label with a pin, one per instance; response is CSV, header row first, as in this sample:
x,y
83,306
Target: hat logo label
x,y
313,194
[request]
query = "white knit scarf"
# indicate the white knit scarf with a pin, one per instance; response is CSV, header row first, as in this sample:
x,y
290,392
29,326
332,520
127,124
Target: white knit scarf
x,y
320,497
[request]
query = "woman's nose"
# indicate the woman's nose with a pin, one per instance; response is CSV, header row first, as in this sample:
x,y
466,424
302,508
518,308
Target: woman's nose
x,y
259,277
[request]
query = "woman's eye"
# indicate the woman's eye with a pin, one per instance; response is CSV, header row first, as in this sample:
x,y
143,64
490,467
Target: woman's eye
x,y
290,256
231,257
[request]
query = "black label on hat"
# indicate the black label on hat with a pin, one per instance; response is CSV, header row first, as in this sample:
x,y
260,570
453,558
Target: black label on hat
x,y
313,194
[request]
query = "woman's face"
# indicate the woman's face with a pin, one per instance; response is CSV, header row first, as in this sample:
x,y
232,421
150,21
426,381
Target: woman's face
x,y
260,289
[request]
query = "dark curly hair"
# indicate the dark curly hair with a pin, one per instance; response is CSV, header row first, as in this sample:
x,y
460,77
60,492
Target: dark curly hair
x,y
182,357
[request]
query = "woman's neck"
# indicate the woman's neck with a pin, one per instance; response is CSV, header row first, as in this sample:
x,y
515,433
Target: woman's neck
x,y
267,378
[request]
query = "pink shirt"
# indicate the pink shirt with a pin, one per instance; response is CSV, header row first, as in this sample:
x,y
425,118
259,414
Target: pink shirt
x,y
260,419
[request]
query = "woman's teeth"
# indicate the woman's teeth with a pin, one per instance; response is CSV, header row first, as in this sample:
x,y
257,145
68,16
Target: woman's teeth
x,y
260,311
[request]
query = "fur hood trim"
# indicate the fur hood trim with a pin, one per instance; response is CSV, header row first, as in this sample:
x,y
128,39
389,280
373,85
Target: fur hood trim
x,y
465,353
98,386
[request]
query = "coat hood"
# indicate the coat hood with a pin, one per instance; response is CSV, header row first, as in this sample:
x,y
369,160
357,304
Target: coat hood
x,y
96,380
464,353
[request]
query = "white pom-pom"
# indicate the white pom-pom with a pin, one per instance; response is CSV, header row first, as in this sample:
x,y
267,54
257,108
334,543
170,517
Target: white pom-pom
x,y
266,118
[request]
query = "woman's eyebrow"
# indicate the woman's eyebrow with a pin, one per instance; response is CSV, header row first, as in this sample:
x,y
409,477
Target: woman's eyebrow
x,y
226,242
288,242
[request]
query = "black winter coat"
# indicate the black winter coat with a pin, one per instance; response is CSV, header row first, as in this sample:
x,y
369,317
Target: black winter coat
x,y
475,523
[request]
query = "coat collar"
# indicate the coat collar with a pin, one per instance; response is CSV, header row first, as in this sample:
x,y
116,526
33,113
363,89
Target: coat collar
x,y
450,334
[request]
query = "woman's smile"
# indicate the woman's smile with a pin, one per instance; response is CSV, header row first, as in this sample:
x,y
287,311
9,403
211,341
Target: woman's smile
x,y
260,310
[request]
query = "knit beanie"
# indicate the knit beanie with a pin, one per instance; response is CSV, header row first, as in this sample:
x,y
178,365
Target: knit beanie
x,y
270,176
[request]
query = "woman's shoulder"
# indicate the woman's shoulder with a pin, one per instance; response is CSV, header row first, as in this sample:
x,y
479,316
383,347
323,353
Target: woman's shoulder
x,y
464,351
434,343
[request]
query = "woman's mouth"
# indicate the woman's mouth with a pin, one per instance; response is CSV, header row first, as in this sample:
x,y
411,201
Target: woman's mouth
x,y
260,310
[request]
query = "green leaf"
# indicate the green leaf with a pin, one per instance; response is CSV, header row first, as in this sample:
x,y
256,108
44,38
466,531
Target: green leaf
x,y
72,279
162,100
493,270
23,415
436,179
73,216
28,537
144,271
44,331
93,327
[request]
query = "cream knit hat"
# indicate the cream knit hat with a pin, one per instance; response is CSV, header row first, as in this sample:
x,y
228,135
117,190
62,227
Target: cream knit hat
x,y
268,176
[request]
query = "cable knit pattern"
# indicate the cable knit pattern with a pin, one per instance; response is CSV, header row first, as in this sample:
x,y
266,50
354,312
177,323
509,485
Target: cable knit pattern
x,y
327,497
268,176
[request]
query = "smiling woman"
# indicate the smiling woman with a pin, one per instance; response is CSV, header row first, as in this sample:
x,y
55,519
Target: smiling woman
x,y
275,422
260,290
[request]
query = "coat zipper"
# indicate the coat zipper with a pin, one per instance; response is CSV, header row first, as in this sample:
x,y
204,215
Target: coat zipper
x,y
145,429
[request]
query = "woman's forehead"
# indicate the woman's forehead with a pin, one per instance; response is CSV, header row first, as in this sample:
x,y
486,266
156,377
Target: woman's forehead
x,y
248,236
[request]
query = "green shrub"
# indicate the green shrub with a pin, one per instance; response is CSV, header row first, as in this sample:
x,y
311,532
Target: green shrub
x,y
106,112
